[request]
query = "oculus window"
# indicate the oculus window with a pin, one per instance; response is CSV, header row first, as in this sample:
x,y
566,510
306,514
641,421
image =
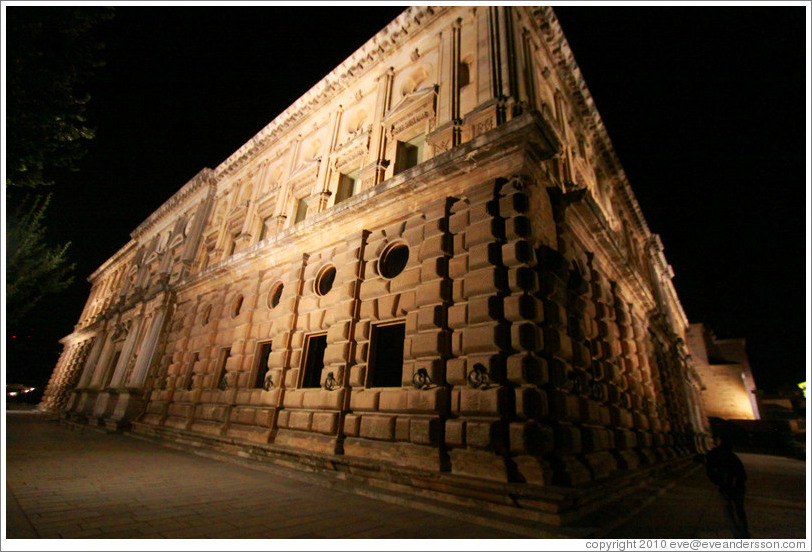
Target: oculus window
x,y
275,295
393,260
325,279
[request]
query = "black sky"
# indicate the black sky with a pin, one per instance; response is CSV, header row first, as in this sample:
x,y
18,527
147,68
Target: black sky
x,y
705,108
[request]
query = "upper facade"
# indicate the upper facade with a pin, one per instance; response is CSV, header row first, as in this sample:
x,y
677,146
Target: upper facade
x,y
399,101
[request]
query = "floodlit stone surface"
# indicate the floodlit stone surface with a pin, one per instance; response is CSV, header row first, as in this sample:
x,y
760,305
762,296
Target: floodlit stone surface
x,y
543,341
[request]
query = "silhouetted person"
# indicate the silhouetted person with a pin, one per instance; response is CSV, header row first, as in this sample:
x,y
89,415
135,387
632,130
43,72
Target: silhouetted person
x,y
727,472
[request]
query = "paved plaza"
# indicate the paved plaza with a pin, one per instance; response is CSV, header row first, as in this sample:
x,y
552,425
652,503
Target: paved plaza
x,y
64,483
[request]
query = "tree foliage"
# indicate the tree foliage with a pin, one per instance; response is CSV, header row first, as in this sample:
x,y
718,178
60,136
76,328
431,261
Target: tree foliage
x,y
51,53
33,267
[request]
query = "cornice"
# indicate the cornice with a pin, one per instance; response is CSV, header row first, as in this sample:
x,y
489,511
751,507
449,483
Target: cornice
x,y
117,257
570,74
367,56
203,178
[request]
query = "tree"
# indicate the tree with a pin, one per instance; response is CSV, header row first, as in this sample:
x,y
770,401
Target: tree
x,y
33,267
51,53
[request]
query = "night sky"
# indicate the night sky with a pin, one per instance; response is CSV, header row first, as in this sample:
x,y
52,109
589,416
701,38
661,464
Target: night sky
x,y
705,108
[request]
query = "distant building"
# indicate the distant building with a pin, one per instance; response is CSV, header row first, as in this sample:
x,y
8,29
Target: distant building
x,y
728,387
430,270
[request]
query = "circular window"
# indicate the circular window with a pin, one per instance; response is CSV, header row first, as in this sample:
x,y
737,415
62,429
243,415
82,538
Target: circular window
x,y
393,260
325,279
237,307
275,295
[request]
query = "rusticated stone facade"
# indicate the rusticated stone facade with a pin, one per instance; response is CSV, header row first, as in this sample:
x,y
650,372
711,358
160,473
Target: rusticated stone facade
x,y
430,265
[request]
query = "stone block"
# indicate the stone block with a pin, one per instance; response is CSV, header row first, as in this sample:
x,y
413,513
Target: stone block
x,y
406,280
484,309
527,368
374,288
364,400
429,344
338,332
522,278
517,253
430,318
518,227
437,291
401,429
483,434
531,438
300,420
485,338
336,353
293,398
352,425
531,402
428,400
358,375
458,316
378,427
557,343
485,281
434,246
458,266
514,204
458,222
455,433
564,406
424,431
523,307
325,422
568,440
388,306
393,400
456,372
526,335
491,401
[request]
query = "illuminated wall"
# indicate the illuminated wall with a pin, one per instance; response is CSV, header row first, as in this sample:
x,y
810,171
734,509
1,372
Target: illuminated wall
x,y
432,261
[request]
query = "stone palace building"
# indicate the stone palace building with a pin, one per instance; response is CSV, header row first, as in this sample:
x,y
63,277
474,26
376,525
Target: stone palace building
x,y
429,273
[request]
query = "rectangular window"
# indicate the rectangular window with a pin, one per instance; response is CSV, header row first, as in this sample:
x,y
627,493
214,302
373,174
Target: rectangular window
x,y
190,372
346,186
111,369
220,381
301,210
264,232
263,352
313,361
410,154
386,355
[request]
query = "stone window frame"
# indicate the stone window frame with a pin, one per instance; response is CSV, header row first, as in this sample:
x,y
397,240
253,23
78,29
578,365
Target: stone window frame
x,y
207,314
388,273
321,279
220,382
372,353
343,177
256,369
237,305
305,376
188,377
274,298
